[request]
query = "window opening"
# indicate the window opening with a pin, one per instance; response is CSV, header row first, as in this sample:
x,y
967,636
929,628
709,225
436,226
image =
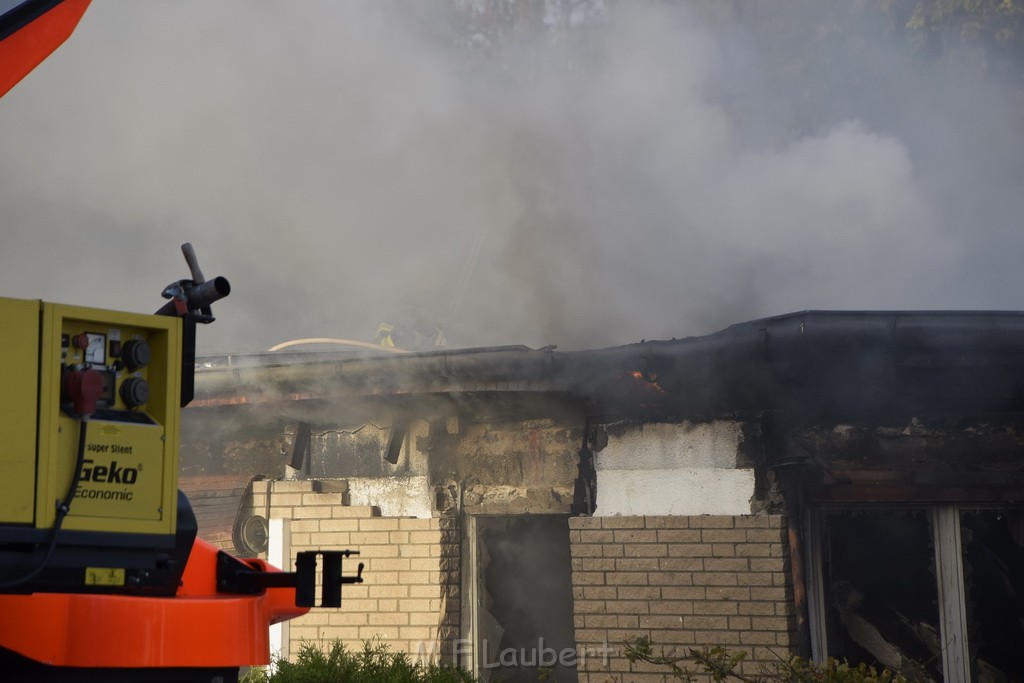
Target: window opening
x,y
993,551
880,594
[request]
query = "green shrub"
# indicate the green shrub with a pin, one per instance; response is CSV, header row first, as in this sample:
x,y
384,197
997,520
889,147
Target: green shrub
x,y
374,664
720,665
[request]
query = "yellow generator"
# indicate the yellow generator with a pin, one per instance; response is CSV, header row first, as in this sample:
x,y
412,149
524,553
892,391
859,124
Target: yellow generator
x,y
102,577
97,391
90,406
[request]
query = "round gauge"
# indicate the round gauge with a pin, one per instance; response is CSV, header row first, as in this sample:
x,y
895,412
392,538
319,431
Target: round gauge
x,y
96,351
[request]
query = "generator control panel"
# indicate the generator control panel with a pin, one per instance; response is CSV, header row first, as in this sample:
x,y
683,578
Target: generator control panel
x,y
117,372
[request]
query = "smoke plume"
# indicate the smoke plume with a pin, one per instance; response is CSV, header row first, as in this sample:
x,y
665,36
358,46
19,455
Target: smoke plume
x,y
577,172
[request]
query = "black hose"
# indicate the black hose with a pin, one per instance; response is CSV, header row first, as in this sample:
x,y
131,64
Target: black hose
x,y
63,508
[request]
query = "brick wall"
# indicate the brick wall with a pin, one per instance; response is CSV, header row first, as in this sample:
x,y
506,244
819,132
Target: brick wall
x,y
215,501
409,599
685,582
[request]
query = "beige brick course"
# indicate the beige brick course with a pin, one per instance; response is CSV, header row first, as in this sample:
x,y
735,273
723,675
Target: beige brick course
x,y
357,511
765,535
635,536
717,607
636,550
772,564
686,564
587,551
416,524
429,537
413,551
316,512
398,537
760,522
672,607
624,578
754,550
683,592
666,522
597,564
739,623
372,537
278,488
670,578
723,549
596,536
330,540
599,592
683,581
660,621
627,621
319,499
726,564
588,578
339,524
757,608
679,535
621,522
422,619
730,593
386,564
346,617
712,522
584,523
628,607
303,539
285,499
388,619
305,525
379,524
400,602
638,593
690,550
632,564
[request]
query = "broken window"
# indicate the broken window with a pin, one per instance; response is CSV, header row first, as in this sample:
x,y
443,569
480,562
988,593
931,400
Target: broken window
x,y
938,591
880,594
993,552
524,620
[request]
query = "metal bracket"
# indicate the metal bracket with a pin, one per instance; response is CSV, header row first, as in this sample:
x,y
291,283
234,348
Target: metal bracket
x,y
237,576
305,564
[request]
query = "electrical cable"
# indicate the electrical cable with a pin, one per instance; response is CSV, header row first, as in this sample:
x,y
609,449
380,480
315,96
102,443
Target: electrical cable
x,y
63,508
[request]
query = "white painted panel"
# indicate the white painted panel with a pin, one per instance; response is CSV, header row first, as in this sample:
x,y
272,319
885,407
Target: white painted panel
x,y
682,491
660,446
395,496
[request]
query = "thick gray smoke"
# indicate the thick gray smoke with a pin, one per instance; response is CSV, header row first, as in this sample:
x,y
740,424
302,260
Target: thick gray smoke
x,y
583,173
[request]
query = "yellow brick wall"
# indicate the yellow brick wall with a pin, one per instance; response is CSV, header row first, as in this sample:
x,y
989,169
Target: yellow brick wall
x,y
685,582
409,598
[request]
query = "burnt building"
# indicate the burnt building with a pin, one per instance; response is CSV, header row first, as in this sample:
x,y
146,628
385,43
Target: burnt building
x,y
845,484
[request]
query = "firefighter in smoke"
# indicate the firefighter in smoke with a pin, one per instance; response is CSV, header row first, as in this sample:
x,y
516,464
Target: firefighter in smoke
x,y
417,335
385,335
